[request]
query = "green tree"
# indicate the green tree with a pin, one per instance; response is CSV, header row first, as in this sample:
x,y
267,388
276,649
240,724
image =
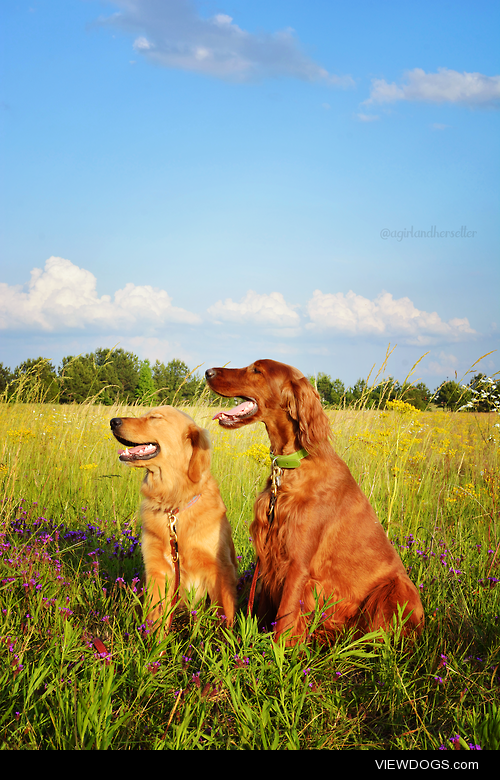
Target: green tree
x,y
417,395
145,391
6,376
450,395
337,393
324,386
173,382
106,375
378,396
485,393
79,378
119,369
355,393
35,380
331,392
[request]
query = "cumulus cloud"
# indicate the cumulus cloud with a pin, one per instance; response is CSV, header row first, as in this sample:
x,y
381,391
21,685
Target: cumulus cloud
x,y
367,117
262,310
447,365
63,296
154,348
172,34
445,86
355,315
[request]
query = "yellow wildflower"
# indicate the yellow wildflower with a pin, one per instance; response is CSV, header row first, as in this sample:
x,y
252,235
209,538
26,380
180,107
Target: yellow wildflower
x,y
401,406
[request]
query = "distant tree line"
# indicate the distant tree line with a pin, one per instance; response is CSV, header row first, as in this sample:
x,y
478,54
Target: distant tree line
x,y
110,376
106,376
482,394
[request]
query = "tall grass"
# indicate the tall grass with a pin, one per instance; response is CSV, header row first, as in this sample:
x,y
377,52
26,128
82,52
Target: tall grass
x,y
81,670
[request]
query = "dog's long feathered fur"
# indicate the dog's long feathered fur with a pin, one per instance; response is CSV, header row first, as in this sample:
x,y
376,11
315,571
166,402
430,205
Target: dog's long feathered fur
x,y
175,454
325,540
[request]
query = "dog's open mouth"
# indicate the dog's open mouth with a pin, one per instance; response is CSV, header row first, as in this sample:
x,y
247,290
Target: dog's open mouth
x,y
241,412
134,451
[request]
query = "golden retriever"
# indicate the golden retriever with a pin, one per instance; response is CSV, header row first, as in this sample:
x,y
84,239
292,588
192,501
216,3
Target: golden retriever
x,y
179,487
324,536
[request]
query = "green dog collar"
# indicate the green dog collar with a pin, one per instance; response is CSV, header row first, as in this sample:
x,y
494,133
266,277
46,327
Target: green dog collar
x,y
289,461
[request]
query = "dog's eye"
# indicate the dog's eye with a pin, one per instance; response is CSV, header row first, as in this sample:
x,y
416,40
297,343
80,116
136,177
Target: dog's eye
x,y
256,370
155,417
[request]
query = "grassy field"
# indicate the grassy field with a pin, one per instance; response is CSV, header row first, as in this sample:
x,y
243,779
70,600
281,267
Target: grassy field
x,y
71,571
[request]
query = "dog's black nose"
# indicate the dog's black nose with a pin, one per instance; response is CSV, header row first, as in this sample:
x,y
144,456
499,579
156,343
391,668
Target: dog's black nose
x,y
210,373
115,423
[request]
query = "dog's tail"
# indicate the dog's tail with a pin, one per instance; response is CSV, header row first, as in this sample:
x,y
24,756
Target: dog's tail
x,y
393,598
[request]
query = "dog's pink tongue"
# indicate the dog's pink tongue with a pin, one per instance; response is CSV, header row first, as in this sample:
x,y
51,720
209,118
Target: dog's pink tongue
x,y
141,449
235,411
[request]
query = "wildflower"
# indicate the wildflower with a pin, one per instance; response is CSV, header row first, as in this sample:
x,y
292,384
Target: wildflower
x,y
106,657
443,662
401,406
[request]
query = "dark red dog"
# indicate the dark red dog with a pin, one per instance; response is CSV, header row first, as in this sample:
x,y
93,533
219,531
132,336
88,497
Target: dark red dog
x,y
322,538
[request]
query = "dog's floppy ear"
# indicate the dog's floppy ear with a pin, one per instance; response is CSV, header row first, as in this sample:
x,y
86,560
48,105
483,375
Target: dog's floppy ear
x,y
200,459
303,404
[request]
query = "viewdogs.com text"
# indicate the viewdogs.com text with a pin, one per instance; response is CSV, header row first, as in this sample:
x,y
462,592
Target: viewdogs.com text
x,y
432,233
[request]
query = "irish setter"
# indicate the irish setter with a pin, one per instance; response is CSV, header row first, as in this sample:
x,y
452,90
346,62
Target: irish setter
x,y
179,488
324,541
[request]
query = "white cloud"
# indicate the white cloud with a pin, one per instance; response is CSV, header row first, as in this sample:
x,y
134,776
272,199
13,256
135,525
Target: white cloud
x,y
447,365
445,86
63,296
264,310
355,315
367,117
142,44
172,34
154,349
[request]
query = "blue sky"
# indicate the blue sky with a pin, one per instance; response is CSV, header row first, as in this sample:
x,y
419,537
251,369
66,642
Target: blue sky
x,y
211,181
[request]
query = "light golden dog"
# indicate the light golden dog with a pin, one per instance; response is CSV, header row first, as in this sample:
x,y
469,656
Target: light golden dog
x,y
178,488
